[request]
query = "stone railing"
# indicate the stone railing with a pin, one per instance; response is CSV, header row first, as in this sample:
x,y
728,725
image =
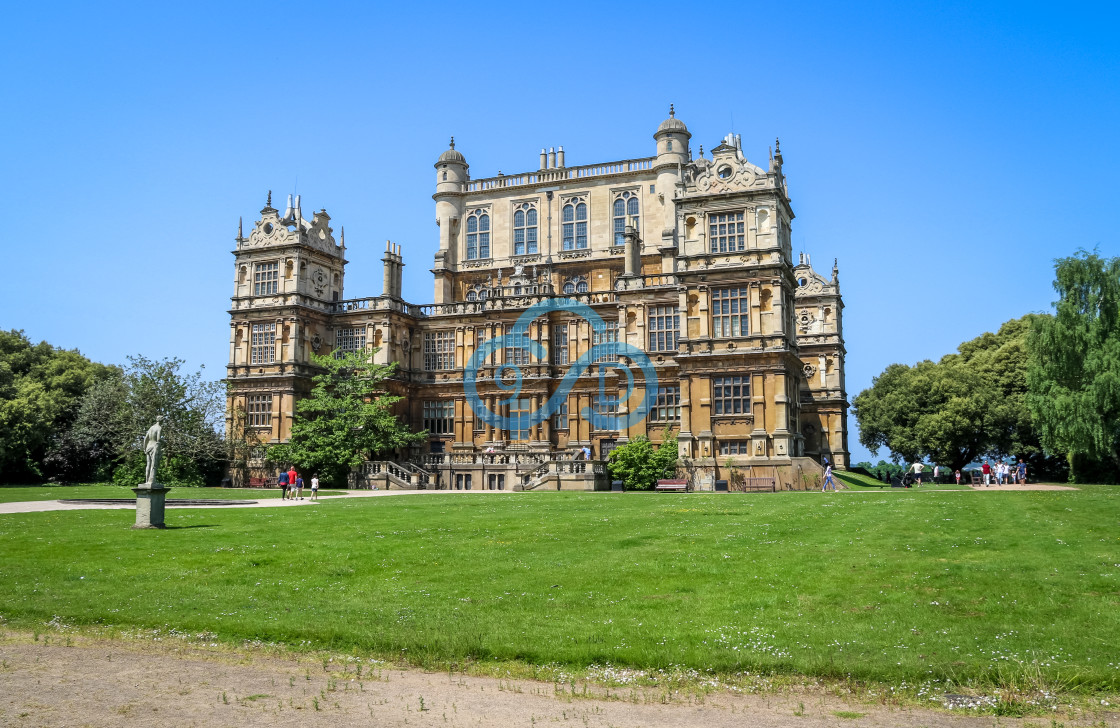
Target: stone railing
x,y
660,279
561,174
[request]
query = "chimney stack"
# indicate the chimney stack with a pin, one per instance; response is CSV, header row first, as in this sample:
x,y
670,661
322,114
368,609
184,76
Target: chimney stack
x,y
551,158
560,156
393,271
544,158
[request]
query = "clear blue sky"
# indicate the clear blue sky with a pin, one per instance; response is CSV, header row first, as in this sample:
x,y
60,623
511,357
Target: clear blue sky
x,y
946,153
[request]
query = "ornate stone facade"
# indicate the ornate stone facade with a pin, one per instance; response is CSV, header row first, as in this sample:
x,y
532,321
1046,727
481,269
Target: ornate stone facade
x,y
684,256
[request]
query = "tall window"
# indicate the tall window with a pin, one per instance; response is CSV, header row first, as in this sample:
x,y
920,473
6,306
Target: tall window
x,y
667,407
731,395
730,312
266,279
574,216
575,284
726,232
260,410
664,326
605,404
478,235
560,417
352,339
525,230
516,346
608,336
439,350
439,416
519,411
262,344
560,343
625,212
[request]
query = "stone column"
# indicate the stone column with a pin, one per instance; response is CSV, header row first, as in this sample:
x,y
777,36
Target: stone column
x,y
150,501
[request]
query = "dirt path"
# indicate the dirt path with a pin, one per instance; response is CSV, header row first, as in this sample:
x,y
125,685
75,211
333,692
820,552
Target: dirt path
x,y
109,683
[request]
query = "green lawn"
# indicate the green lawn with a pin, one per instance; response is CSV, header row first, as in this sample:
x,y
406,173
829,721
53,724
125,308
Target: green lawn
x,y
858,481
12,494
1016,589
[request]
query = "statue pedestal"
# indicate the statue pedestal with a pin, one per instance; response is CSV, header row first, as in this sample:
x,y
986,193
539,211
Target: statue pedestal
x,y
149,505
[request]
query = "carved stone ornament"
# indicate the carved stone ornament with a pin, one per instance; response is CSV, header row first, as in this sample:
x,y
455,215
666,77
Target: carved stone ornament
x,y
316,342
809,370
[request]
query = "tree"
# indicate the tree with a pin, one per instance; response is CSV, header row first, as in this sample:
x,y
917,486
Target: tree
x,y
1074,372
346,419
639,466
40,388
965,406
116,412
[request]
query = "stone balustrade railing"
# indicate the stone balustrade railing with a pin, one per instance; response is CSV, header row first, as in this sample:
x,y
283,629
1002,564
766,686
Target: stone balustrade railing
x,y
560,174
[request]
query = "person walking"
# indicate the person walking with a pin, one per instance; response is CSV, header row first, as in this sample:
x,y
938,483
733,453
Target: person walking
x,y
299,487
957,475
282,481
936,473
1021,473
917,468
314,487
828,479
987,471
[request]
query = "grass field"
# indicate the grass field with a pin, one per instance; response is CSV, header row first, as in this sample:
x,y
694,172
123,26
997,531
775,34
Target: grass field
x,y
12,494
916,589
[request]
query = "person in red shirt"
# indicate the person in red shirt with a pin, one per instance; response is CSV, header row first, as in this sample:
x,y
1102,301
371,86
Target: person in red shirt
x,y
985,469
292,480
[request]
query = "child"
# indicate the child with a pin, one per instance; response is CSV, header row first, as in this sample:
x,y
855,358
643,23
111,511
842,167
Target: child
x,y
314,487
299,487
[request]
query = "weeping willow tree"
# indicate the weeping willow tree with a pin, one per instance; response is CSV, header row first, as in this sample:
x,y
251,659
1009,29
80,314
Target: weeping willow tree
x,y
1073,377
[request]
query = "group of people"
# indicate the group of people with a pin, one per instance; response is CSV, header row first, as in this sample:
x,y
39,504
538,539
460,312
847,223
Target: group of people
x,y
1004,473
292,484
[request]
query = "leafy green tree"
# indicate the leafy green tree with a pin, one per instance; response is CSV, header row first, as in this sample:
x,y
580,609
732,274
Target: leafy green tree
x,y
40,388
639,465
345,420
1074,371
965,406
116,412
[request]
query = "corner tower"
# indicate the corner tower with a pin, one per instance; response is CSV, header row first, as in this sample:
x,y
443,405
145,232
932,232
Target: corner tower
x,y
672,138
452,175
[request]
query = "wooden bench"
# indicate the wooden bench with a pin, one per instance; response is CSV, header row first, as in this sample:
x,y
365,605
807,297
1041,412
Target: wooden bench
x,y
679,486
258,482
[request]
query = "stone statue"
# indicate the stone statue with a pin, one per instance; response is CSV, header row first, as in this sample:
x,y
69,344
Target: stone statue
x,y
152,449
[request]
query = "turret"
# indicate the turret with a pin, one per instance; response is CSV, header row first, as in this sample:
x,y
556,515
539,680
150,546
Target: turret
x,y
452,174
672,153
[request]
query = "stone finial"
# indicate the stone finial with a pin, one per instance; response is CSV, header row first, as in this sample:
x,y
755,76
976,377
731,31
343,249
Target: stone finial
x,y
269,202
835,270
701,151
452,142
342,238
672,112
777,145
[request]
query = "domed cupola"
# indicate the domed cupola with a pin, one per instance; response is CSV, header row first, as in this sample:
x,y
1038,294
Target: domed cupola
x,y
672,124
451,155
451,170
672,140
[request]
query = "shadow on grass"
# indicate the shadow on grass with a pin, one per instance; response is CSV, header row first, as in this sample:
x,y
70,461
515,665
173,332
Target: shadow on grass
x,y
193,525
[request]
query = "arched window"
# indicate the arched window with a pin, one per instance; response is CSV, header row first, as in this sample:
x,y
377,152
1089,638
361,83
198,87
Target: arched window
x,y
525,230
624,212
575,284
574,217
478,235
472,295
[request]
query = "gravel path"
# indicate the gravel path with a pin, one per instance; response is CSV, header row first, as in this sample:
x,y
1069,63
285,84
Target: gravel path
x,y
107,683
36,506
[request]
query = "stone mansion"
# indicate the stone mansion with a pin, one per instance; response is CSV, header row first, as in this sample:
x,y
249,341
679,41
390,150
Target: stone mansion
x,y
684,256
